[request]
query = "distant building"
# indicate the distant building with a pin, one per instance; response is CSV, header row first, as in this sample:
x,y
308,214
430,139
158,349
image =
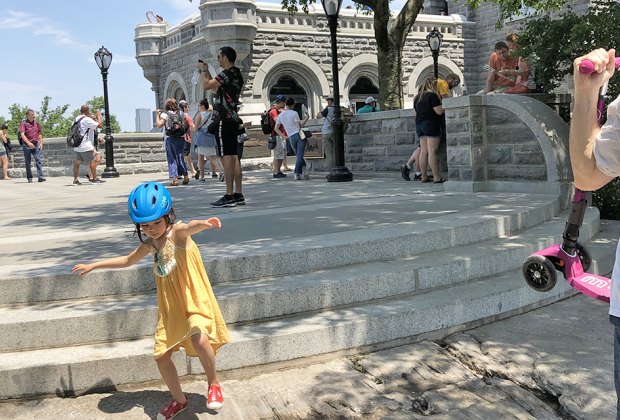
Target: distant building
x,y
143,120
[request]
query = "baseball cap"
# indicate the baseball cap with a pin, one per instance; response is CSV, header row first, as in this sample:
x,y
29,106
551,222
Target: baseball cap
x,y
370,100
280,98
330,96
183,103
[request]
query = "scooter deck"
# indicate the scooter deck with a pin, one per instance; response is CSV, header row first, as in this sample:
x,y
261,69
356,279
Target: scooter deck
x,y
593,285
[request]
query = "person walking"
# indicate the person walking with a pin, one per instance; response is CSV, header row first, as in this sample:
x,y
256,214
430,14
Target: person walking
x,y
187,148
174,122
31,140
327,131
188,313
206,143
86,152
4,152
427,105
289,120
228,83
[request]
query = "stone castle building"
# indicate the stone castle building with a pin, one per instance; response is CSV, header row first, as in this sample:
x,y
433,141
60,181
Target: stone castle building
x,y
283,54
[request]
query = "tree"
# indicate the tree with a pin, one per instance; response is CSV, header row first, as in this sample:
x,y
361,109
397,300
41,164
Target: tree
x,y
389,44
551,45
97,104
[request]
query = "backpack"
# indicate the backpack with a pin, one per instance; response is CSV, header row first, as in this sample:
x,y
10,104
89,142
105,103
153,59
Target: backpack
x,y
176,124
74,138
265,124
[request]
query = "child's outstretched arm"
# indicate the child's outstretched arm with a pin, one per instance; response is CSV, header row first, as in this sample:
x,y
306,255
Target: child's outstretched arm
x,y
196,226
116,262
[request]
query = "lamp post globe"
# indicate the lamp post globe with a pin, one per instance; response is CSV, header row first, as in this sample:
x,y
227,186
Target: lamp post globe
x,y
434,39
103,58
339,173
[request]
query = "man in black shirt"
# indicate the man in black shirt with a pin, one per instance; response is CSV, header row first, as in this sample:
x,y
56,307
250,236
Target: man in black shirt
x,y
228,83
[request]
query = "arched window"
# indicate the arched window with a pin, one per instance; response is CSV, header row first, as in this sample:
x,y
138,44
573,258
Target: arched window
x,y
362,89
288,86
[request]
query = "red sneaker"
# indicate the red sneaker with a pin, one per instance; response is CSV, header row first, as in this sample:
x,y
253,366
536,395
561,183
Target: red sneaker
x,y
172,409
215,400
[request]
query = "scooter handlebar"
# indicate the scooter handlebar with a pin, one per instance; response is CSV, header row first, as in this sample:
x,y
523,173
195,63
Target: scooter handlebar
x,y
586,67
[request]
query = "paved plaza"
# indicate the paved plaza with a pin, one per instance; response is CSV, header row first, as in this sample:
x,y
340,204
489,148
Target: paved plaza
x,y
552,362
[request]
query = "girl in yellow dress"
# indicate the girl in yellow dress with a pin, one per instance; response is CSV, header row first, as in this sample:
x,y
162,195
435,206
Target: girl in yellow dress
x,y
188,314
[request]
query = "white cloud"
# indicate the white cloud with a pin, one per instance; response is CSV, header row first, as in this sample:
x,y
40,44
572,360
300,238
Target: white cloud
x,y
15,89
13,19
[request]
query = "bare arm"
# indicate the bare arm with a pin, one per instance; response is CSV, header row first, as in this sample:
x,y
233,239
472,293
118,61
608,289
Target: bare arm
x,y
159,120
183,230
584,125
438,109
490,80
277,130
208,82
197,122
116,262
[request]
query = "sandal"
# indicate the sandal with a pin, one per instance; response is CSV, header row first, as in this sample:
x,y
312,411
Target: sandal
x,y
185,181
174,183
427,180
441,181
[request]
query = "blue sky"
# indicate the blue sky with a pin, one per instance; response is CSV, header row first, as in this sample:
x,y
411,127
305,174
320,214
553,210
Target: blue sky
x,y
48,49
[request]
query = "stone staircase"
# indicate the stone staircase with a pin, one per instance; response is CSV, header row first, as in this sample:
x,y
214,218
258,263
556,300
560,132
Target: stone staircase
x,y
365,287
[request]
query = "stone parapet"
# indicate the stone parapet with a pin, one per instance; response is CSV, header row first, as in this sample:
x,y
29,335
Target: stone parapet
x,y
506,143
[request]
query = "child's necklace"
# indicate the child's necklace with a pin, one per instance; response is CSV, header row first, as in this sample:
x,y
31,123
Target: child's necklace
x,y
163,259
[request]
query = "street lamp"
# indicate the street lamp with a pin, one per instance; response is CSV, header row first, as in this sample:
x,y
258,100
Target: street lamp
x,y
103,58
434,39
339,173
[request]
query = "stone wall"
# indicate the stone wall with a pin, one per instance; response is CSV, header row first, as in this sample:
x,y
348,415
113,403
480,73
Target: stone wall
x,y
133,153
506,143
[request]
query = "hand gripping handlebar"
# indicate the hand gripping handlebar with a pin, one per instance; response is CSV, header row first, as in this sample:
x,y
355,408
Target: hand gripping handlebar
x,y
586,67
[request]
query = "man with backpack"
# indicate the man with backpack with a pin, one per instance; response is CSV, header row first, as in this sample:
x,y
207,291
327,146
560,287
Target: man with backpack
x,y
176,126
31,139
85,151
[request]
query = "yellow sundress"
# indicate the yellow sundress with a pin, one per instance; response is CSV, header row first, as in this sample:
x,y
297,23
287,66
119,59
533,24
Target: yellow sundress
x,y
185,301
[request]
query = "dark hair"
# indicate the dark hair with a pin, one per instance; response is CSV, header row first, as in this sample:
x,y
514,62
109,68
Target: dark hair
x,y
204,102
171,105
501,45
4,127
230,53
290,101
169,218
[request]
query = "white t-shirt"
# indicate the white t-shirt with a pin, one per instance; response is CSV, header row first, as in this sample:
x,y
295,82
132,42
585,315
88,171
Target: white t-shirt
x,y
88,140
607,154
290,120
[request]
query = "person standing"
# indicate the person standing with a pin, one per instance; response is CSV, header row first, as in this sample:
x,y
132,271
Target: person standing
x,y
86,152
4,152
31,139
187,149
289,119
279,151
205,142
228,83
595,159
327,131
174,140
427,105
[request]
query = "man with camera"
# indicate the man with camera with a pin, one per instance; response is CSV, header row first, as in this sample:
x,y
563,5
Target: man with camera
x,y
228,83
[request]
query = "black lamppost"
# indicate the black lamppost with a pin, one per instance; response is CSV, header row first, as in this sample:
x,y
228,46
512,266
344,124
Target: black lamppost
x,y
103,58
338,173
434,39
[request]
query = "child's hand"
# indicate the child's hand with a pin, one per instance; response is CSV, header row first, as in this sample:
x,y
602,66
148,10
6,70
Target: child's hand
x,y
213,222
82,269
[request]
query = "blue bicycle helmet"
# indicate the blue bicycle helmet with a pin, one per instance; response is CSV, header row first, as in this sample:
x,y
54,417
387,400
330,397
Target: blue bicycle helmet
x,y
149,202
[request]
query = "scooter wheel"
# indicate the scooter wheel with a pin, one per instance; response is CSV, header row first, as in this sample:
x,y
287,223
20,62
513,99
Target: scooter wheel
x,y
584,255
539,273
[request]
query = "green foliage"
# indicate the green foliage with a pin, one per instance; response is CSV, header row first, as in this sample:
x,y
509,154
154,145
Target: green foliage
x,y
53,121
607,199
510,8
551,45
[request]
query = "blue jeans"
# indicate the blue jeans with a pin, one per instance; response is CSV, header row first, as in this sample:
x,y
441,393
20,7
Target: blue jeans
x,y
616,323
175,157
28,154
299,146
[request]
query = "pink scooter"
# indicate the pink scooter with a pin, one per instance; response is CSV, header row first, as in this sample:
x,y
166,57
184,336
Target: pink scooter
x,y
571,258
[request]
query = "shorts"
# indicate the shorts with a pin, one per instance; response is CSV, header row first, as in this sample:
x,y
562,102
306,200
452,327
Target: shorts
x,y
2,152
279,152
187,148
228,139
428,129
207,151
85,157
